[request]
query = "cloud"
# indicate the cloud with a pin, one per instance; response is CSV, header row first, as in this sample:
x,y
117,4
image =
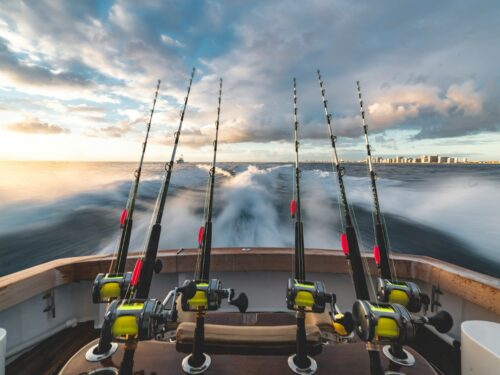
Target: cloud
x,y
102,60
33,125
170,41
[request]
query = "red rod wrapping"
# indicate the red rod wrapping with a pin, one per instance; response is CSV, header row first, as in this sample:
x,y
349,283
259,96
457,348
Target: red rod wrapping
x,y
137,272
344,244
293,208
201,234
376,254
123,217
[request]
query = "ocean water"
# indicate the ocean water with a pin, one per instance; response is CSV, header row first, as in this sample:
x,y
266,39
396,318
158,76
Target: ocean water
x,y
50,210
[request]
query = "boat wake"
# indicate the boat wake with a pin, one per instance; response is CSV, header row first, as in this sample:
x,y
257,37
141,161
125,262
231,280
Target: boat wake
x,y
251,209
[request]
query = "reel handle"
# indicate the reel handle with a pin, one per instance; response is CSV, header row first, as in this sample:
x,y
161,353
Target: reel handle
x,y
241,302
442,321
188,290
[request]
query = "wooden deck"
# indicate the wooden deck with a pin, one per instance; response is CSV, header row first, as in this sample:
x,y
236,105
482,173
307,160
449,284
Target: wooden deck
x,y
161,358
48,357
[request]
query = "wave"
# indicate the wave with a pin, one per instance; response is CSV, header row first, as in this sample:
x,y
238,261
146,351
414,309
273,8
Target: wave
x,y
451,219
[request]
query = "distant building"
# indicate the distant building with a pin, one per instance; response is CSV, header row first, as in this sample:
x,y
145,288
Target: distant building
x,y
443,159
433,159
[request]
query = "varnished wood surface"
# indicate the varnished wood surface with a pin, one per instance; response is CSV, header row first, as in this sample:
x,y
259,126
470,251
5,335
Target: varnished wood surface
x,y
477,288
160,358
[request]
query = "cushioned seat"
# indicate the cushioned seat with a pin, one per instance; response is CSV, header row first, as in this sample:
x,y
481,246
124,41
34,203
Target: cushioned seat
x,y
227,339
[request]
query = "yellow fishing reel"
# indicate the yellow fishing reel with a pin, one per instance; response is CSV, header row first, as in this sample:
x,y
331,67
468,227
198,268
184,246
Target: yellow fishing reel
x,y
108,287
383,322
134,319
209,296
405,293
308,296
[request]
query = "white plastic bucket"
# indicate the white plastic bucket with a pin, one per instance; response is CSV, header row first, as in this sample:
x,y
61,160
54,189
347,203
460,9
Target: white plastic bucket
x,y
3,346
480,347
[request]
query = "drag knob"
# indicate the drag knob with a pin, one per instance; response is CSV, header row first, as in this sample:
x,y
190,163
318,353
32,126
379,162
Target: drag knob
x,y
442,321
188,290
241,302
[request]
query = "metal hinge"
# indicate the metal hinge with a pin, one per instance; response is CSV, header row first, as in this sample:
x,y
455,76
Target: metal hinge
x,y
49,297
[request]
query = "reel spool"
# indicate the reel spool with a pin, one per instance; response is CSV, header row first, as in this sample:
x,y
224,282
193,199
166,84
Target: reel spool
x,y
393,324
405,293
389,323
108,287
209,296
125,321
383,322
308,296
133,320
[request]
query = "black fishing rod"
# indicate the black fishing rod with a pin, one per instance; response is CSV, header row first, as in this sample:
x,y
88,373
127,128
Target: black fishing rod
x,y
389,289
205,234
209,292
380,251
145,266
295,207
304,296
148,313
349,240
126,219
392,291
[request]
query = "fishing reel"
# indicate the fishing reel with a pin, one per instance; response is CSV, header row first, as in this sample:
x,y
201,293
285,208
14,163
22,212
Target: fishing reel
x,y
108,287
308,296
405,293
393,324
209,295
134,320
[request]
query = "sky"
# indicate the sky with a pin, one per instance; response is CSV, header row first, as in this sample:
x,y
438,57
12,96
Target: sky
x,y
77,78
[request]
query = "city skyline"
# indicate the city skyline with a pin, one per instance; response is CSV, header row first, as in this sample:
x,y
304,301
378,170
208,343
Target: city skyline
x,y
80,87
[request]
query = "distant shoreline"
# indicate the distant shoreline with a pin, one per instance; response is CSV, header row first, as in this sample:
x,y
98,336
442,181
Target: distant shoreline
x,y
245,162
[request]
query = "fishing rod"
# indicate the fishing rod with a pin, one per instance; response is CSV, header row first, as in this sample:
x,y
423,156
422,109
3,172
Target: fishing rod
x,y
128,213
145,266
375,322
348,240
136,284
304,296
389,289
112,285
295,207
205,233
405,293
209,292
380,251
